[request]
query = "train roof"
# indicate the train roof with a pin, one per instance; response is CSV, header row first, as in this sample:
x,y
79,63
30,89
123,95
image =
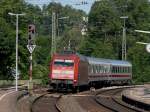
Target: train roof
x,y
108,61
92,60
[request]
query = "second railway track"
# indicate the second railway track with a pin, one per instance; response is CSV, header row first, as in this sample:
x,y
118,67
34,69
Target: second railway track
x,y
111,99
103,100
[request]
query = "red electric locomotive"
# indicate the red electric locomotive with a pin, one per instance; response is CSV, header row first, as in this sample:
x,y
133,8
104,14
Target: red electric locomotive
x,y
74,70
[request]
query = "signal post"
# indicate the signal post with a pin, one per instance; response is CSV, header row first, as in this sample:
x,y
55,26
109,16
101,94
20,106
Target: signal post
x,y
31,46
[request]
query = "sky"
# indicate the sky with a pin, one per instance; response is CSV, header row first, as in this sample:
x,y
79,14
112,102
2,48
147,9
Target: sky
x,y
74,3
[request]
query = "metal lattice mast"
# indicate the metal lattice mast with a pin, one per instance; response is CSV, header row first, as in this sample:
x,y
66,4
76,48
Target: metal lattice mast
x,y
124,50
124,55
53,43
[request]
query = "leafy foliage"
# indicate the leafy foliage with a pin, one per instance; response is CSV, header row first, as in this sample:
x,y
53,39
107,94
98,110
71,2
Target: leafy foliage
x,y
104,38
105,33
42,21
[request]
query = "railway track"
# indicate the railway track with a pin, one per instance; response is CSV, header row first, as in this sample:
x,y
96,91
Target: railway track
x,y
101,101
46,103
111,99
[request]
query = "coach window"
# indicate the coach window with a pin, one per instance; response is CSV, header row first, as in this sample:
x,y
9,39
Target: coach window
x,y
112,69
121,69
91,70
97,68
107,69
126,69
100,68
94,69
129,70
103,69
117,69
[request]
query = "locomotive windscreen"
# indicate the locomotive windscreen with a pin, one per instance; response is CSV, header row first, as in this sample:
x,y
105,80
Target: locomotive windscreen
x,y
65,63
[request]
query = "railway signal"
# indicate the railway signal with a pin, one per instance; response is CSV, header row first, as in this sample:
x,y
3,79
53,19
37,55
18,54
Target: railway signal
x,y
31,34
31,46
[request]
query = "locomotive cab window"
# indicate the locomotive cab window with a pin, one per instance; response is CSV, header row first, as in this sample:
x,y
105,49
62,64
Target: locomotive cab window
x,y
66,63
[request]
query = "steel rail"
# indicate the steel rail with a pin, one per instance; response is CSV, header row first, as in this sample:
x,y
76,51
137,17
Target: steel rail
x,y
105,97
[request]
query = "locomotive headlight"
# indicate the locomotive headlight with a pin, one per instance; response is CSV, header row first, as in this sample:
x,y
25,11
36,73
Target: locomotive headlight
x,y
75,80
